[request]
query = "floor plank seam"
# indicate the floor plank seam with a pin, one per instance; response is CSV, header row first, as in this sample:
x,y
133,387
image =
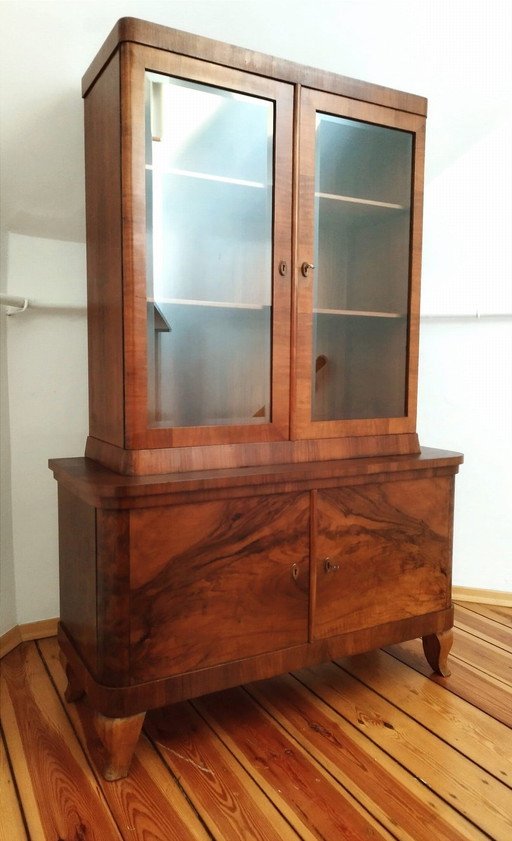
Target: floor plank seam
x,y
423,782
317,761
247,771
426,727
15,783
475,635
375,744
158,747
445,681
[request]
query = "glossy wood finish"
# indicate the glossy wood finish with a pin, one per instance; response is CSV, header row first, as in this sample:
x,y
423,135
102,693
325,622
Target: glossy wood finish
x,y
393,539
437,648
198,558
117,254
204,582
120,434
104,256
119,735
184,43
217,581
372,743
182,459
303,426
103,488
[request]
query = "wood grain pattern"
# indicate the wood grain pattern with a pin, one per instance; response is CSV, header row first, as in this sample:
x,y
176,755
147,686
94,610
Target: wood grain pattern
x,y
165,38
12,827
375,779
456,720
215,582
217,785
481,689
103,488
56,784
104,271
147,804
77,572
286,772
200,773
436,763
112,597
182,459
483,628
496,613
497,662
383,553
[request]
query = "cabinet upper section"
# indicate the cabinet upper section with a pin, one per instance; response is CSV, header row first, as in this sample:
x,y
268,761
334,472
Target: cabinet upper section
x,y
135,31
253,240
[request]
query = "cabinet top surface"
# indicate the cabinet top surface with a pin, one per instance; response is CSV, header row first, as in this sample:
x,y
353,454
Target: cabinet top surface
x,y
86,475
133,30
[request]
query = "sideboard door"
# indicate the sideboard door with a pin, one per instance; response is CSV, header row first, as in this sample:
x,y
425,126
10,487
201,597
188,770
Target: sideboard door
x,y
213,582
383,553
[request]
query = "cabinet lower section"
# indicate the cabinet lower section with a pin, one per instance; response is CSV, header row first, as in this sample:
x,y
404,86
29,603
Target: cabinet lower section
x,y
173,587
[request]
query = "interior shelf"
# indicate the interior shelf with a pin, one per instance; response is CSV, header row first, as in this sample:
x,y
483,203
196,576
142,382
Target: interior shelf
x,y
197,303
359,313
205,176
355,200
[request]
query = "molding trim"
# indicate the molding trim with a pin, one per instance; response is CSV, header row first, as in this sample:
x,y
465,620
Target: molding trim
x,y
493,597
24,633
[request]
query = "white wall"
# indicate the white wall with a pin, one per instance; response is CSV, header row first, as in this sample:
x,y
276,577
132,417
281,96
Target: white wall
x,y
455,52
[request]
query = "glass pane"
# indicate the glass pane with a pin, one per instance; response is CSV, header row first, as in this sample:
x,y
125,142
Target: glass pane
x,y
361,292
209,193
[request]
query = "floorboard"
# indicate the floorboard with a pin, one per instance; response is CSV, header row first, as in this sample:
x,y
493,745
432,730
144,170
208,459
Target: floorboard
x,y
367,748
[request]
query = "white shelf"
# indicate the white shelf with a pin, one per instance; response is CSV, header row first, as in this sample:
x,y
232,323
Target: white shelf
x,y
204,176
359,313
195,303
353,200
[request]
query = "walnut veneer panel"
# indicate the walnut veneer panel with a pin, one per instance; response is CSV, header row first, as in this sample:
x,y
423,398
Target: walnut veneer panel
x,y
388,547
217,581
77,573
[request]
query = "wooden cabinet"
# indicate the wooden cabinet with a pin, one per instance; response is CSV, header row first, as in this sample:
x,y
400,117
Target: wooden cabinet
x,y
253,497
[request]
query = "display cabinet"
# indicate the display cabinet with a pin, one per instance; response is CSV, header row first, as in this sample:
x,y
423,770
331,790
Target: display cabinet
x,y
253,496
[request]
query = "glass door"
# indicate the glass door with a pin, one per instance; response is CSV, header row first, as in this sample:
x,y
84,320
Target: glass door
x,y
217,164
354,349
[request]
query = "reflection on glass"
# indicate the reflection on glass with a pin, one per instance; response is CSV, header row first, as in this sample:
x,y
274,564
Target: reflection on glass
x,y
209,176
361,291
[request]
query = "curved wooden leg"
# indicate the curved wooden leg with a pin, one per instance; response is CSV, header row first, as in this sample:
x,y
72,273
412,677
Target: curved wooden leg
x,y
74,691
436,648
120,736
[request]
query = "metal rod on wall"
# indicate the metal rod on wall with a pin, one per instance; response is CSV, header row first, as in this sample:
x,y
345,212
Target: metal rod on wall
x,y
21,304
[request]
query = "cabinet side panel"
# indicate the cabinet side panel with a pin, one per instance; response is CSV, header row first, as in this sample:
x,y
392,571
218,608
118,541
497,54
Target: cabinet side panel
x,y
113,596
104,266
77,573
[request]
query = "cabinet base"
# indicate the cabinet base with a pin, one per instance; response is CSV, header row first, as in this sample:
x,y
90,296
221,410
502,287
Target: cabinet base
x,y
119,711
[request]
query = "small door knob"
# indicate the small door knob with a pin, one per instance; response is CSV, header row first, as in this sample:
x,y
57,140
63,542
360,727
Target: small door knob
x,y
306,268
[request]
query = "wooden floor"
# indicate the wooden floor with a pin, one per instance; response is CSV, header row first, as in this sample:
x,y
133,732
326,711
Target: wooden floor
x,y
369,747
